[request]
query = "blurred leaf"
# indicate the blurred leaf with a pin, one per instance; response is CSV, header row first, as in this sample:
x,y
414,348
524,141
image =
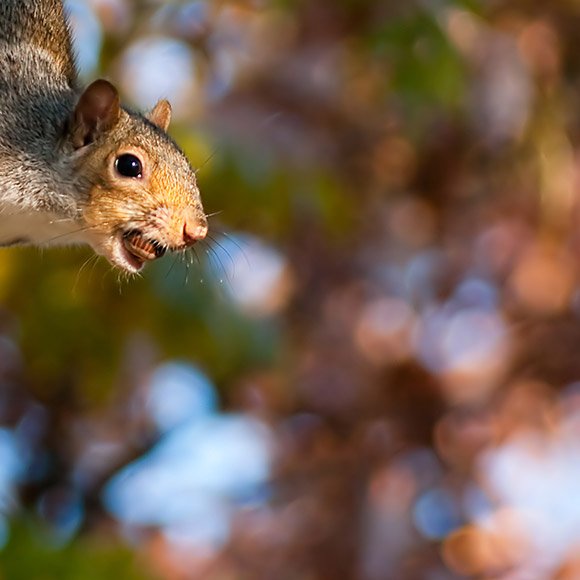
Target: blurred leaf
x,y
29,555
424,68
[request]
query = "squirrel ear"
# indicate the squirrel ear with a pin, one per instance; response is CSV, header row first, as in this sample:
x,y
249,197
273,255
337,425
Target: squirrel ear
x,y
160,115
97,111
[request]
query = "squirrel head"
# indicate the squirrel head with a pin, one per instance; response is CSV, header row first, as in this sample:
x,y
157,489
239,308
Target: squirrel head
x,y
142,198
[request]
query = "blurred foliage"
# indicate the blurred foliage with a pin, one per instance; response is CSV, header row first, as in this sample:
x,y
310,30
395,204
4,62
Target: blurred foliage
x,y
32,554
426,68
413,167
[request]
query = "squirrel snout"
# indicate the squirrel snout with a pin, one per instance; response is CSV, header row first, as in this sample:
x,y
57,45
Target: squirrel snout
x,y
193,231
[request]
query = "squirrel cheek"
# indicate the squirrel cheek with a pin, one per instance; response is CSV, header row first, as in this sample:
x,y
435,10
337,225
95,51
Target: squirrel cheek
x,y
102,213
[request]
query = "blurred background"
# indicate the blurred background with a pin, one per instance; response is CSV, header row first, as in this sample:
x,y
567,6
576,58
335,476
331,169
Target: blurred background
x,y
371,369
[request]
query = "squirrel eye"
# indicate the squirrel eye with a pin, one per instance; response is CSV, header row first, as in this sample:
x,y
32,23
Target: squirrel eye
x,y
128,165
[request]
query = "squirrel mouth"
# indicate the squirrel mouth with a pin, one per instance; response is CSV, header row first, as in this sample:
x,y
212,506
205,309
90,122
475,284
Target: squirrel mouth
x,y
142,248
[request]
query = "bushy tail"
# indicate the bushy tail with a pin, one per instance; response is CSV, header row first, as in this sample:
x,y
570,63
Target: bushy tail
x,y
41,23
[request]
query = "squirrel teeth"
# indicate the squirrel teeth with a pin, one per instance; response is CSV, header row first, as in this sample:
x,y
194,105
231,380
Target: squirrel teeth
x,y
141,247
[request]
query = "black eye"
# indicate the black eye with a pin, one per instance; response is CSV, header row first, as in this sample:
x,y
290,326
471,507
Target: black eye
x,y
128,165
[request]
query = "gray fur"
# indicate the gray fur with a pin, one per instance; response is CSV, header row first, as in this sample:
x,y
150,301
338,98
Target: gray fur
x,y
36,100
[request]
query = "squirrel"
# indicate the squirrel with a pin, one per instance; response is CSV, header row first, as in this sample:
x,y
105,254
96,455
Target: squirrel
x,y
75,165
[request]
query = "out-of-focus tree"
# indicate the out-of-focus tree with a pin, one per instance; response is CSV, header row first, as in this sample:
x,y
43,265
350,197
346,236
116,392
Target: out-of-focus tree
x,y
369,371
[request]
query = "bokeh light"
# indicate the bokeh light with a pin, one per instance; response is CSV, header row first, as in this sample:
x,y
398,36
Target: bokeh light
x,y
369,370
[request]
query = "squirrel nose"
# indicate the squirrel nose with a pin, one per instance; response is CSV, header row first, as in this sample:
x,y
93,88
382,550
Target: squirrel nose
x,y
193,231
